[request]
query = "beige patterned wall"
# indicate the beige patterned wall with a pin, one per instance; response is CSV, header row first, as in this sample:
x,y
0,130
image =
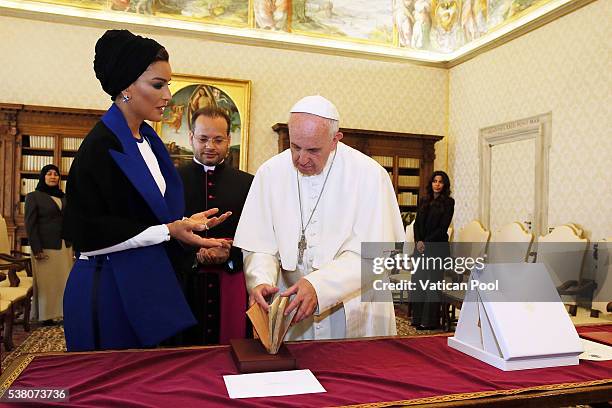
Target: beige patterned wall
x,y
565,68
51,64
512,183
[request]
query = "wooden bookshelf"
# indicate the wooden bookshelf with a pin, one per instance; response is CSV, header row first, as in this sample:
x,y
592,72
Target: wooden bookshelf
x,y
30,137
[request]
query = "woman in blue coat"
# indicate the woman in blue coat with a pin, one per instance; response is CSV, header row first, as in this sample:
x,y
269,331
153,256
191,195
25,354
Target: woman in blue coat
x,y
124,209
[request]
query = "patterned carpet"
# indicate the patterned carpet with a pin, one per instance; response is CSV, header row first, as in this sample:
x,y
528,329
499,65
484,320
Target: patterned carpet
x,y
46,339
39,340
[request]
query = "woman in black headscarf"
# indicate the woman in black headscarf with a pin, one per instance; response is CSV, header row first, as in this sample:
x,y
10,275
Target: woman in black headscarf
x,y
124,204
52,255
433,218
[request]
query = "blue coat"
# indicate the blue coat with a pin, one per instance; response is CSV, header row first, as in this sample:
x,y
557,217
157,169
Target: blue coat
x,y
131,298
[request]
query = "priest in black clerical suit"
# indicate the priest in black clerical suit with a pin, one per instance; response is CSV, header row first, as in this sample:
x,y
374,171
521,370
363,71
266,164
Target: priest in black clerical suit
x,y
213,281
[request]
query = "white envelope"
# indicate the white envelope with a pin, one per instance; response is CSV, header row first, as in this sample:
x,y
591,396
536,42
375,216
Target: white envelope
x,y
272,384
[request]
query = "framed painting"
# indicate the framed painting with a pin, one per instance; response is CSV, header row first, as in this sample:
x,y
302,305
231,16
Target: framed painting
x,y
190,93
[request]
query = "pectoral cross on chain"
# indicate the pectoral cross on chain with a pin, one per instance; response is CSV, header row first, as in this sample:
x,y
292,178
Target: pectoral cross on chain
x,y
302,242
301,248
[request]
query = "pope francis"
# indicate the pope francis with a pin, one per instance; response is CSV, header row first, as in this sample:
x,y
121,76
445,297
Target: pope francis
x,y
307,213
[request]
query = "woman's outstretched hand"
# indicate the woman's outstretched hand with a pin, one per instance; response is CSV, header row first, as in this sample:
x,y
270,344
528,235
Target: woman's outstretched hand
x,y
183,230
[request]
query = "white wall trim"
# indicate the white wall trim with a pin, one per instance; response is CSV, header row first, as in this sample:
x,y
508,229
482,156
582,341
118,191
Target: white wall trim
x,y
537,127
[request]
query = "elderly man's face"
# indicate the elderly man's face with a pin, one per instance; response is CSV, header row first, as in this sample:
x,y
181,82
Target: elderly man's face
x,y
310,142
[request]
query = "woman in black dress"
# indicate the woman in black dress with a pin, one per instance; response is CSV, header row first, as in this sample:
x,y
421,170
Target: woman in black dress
x,y
433,218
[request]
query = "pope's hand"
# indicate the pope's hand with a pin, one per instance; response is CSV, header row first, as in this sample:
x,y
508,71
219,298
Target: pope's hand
x,y
260,293
305,300
420,246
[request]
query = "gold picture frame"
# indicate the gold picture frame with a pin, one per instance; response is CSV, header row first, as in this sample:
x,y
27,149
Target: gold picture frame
x,y
190,93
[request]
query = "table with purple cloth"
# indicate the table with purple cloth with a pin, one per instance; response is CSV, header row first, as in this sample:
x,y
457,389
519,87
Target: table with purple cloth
x,y
368,372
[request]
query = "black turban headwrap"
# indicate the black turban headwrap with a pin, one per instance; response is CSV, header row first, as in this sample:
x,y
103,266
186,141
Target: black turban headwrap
x,y
121,57
44,187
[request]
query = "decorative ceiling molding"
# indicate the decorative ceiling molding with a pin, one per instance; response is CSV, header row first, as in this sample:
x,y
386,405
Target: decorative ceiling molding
x,y
105,19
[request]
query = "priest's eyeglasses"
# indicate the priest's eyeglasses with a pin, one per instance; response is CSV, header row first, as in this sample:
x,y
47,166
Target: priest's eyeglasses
x,y
215,141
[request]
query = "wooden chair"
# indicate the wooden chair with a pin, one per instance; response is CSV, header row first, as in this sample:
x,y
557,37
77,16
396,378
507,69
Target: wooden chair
x,y
603,277
510,244
402,296
10,299
563,252
471,241
410,238
24,276
7,255
6,324
577,229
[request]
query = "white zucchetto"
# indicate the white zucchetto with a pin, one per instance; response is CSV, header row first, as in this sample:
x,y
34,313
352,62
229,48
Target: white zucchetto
x,y
316,105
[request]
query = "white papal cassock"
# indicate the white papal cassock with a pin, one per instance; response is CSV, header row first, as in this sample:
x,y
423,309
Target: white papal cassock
x,y
358,205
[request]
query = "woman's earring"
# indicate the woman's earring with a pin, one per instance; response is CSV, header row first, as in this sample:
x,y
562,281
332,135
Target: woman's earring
x,y
125,98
